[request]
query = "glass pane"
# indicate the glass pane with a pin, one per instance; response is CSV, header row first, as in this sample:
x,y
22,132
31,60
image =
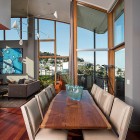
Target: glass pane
x,y
101,68
85,39
62,65
13,34
120,73
46,29
102,40
24,29
85,69
119,30
46,48
35,29
1,35
46,71
62,38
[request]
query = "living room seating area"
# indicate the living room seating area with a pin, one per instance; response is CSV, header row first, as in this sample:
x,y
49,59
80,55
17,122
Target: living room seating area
x,y
23,89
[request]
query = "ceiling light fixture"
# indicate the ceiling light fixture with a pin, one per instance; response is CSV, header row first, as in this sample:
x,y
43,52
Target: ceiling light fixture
x,y
55,14
21,42
15,25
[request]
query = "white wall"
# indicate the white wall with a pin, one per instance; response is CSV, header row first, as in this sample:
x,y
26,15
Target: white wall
x,y
132,68
5,13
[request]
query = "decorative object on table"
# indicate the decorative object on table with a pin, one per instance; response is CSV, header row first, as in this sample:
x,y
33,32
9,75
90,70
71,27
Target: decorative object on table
x,y
74,92
9,61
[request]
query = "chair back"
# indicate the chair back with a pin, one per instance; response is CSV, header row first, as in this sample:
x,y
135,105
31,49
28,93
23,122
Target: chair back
x,y
98,94
43,102
120,117
32,117
106,103
93,90
49,93
52,89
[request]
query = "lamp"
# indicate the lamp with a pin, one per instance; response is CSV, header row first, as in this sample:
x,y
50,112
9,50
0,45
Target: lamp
x,y
55,14
21,42
15,25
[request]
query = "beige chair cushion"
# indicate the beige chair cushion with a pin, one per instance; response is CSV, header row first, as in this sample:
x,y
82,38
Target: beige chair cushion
x,y
106,103
93,90
120,117
43,102
49,93
52,89
50,134
99,135
32,117
98,94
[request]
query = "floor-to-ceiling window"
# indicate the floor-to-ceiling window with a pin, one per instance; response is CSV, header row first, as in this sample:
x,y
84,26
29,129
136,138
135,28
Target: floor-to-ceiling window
x,y
118,16
53,49
92,44
120,73
21,32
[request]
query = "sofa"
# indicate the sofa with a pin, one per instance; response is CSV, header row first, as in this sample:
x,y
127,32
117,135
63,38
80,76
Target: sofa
x,y
23,90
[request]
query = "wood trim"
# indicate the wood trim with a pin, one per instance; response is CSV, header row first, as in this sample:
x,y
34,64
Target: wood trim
x,y
92,6
46,56
46,40
75,41
120,46
111,54
54,56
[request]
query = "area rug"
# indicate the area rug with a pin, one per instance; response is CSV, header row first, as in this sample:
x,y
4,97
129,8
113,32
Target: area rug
x,y
13,102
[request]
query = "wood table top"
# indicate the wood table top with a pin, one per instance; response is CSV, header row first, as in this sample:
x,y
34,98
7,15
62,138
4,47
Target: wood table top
x,y
64,113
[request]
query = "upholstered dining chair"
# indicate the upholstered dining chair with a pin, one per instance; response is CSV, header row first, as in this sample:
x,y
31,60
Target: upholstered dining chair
x,y
93,90
43,102
33,119
105,103
52,89
98,94
120,118
49,93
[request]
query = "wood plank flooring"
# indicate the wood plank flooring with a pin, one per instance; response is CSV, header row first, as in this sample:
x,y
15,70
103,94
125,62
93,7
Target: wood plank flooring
x,y
12,127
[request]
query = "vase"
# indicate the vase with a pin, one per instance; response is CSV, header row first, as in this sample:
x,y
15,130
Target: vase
x,y
74,92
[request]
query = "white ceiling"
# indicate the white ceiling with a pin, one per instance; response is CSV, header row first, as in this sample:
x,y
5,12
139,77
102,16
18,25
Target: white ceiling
x,y
45,8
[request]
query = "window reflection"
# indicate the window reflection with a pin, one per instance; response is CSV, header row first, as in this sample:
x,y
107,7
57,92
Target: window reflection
x,y
119,24
120,73
62,33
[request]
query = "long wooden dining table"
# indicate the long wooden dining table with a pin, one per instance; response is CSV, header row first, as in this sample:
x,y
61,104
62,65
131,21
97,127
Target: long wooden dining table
x,y
64,113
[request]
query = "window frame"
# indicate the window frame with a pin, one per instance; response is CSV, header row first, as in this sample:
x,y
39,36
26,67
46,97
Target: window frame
x,y
55,46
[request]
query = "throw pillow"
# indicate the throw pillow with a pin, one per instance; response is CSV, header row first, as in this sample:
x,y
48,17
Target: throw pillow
x,y
21,81
28,81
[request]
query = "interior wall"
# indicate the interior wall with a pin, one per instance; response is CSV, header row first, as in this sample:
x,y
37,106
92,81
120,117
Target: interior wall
x,y
30,58
5,13
132,57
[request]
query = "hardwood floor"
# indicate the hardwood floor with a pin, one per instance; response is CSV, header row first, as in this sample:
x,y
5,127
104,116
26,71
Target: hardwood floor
x,y
12,127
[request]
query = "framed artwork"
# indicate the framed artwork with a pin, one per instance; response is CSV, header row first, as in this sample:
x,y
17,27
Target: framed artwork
x,y
10,61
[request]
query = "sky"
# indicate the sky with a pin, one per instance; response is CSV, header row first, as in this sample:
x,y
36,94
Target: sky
x,y
85,39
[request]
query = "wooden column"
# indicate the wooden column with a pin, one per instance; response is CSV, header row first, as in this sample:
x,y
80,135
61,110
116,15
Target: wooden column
x,y
75,41
111,54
